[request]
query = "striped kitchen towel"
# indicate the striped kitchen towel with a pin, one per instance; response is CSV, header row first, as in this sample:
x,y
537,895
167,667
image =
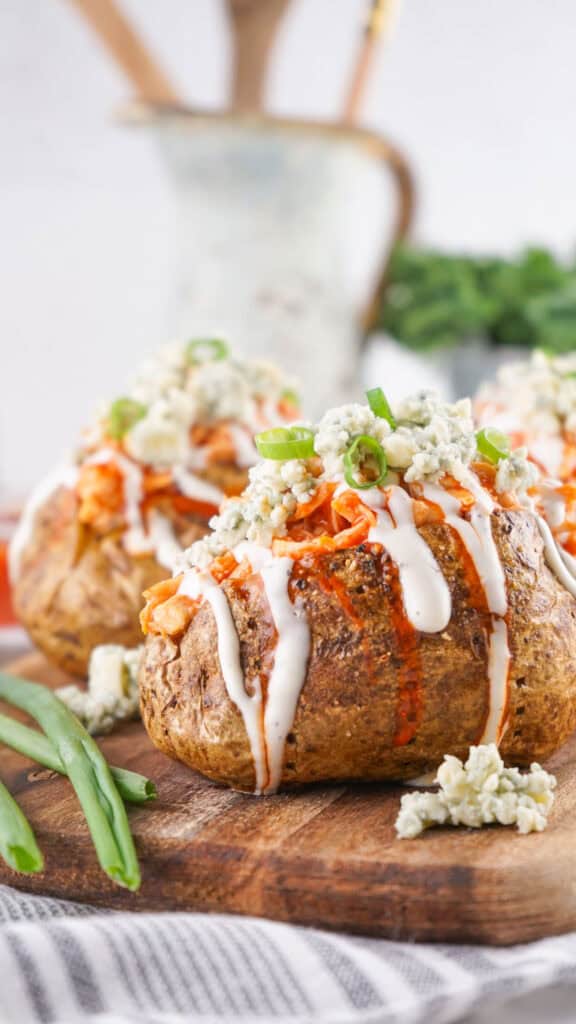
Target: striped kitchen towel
x,y
64,963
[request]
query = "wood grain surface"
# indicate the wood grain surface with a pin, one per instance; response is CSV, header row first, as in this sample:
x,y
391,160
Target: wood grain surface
x,y
326,857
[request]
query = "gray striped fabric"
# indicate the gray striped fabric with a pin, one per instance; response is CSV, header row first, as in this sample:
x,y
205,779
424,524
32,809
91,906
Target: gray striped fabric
x,y
62,963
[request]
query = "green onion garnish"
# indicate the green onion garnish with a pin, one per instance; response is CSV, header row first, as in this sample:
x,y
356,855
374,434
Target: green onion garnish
x,y
206,350
122,416
493,444
380,406
134,788
88,772
364,449
286,443
18,846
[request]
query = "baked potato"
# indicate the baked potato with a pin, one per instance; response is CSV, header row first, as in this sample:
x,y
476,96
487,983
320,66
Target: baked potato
x,y
143,485
398,608
534,404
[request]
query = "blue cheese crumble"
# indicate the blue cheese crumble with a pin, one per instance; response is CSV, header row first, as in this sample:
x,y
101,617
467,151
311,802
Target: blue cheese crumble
x,y
538,396
430,439
480,792
178,394
112,692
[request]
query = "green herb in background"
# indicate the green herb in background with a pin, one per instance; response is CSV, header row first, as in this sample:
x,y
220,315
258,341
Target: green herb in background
x,y
435,300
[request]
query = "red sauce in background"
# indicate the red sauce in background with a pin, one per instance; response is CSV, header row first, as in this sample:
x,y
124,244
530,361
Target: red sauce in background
x,y
7,617
9,515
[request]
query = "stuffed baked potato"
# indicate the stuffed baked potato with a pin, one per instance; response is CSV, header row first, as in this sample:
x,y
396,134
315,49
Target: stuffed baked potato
x,y
143,486
534,403
377,598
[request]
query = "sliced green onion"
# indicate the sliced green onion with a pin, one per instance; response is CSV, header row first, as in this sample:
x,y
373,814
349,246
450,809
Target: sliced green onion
x,y
286,443
18,844
493,444
122,416
134,788
206,350
364,448
380,406
89,774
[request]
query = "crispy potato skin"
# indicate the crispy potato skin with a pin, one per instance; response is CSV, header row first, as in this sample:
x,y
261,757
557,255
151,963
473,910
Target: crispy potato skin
x,y
77,589
346,717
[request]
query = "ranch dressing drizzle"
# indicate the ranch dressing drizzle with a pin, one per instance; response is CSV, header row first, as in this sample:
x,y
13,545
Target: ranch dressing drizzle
x,y
63,476
290,663
553,504
477,538
560,562
163,540
554,556
197,584
290,659
135,539
194,487
426,595
290,656
244,447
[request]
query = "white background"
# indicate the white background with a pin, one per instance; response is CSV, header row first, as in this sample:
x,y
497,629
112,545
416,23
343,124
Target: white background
x,y
482,96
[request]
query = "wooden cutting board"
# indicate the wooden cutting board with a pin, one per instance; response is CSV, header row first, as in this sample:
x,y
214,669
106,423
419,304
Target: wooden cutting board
x,y
326,857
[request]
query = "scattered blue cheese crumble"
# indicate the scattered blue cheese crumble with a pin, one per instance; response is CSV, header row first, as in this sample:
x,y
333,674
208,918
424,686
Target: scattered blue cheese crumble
x,y
539,394
178,393
112,692
431,438
480,792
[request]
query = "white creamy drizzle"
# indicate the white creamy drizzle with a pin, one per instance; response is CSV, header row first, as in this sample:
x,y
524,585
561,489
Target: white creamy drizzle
x,y
135,539
197,584
554,556
548,452
476,535
290,658
244,447
498,669
195,487
63,476
289,669
426,595
553,504
163,540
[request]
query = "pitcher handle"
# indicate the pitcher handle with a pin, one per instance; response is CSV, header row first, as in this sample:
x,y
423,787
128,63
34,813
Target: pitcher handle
x,y
403,180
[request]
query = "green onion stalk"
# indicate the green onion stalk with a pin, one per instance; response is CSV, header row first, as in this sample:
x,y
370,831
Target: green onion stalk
x,y
380,406
18,844
134,788
493,445
283,443
364,449
89,774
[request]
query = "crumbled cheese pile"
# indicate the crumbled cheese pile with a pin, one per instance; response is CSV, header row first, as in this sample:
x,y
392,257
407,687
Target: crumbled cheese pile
x,y
179,393
112,692
480,792
538,396
431,438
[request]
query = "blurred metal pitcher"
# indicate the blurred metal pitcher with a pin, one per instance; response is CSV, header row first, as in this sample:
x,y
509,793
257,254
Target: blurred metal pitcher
x,y
282,227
